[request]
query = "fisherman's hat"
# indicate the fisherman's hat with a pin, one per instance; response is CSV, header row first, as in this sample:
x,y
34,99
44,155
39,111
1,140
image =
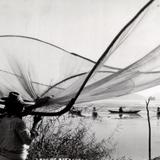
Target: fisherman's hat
x,y
15,98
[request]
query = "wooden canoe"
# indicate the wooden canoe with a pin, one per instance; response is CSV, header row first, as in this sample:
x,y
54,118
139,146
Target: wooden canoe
x,y
125,112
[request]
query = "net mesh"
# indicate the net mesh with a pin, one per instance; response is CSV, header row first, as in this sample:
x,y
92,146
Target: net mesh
x,y
35,68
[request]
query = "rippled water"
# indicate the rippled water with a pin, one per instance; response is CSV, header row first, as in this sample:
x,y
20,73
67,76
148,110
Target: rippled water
x,y
130,133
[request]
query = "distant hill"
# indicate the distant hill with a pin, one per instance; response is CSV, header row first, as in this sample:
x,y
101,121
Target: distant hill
x,y
131,97
131,100
127,100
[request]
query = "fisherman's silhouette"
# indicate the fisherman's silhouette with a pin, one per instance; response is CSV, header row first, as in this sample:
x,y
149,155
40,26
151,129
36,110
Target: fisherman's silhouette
x,y
94,113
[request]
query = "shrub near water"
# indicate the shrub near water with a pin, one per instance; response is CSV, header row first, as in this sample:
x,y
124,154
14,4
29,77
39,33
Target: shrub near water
x,y
59,141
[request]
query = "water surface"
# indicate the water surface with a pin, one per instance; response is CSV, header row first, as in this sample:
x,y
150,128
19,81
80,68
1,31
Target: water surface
x,y
129,133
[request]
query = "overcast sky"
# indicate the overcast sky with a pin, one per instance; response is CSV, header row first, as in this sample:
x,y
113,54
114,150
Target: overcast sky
x,y
85,27
82,26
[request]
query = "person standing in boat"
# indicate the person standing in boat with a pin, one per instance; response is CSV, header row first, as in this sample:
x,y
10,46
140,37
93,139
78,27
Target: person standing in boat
x,y
94,113
158,110
15,137
120,109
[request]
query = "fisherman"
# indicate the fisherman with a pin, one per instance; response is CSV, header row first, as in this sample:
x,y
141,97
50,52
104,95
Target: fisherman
x,y
158,110
94,113
120,109
15,137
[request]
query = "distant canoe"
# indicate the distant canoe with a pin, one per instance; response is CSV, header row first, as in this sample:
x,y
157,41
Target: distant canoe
x,y
125,112
76,112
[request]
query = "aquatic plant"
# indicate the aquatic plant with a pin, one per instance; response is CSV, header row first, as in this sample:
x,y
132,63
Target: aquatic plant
x,y
58,139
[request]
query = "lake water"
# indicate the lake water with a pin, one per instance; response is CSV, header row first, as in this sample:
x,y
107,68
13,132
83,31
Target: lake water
x,y
129,133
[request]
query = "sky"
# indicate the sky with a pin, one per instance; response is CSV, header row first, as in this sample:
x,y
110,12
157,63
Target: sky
x,y
85,27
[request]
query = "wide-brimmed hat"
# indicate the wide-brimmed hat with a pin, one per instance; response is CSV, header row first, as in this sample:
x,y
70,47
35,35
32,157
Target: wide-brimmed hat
x,y
14,97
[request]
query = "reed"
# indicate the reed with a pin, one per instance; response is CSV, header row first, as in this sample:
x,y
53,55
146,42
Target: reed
x,y
59,141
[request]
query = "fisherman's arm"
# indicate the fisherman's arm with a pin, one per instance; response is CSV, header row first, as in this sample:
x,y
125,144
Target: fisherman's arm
x,y
24,133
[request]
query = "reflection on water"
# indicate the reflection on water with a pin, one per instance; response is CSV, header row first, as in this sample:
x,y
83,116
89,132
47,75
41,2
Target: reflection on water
x,y
130,133
128,116
158,115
